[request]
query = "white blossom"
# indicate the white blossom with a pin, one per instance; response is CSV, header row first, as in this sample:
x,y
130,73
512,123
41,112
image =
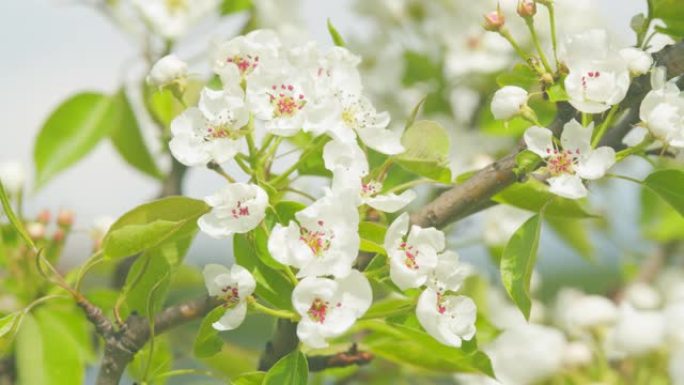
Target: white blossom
x,y
576,354
212,131
574,161
323,240
598,77
240,57
167,71
232,286
13,176
638,332
638,61
172,19
642,296
449,273
674,319
448,318
329,307
661,113
237,208
578,312
412,252
508,102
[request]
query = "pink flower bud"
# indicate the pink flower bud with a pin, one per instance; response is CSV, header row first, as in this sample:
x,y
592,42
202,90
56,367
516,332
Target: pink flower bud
x,y
494,21
65,218
527,8
44,217
58,236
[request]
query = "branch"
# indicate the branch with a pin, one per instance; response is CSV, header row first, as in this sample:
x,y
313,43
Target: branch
x,y
340,360
284,341
472,195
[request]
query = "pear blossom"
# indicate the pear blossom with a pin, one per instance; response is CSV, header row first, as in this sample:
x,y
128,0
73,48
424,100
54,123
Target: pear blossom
x,y
232,286
642,296
598,77
577,353
448,318
349,166
172,19
661,113
241,56
508,101
211,131
329,307
237,208
638,331
12,176
412,252
574,161
323,240
578,312
638,61
167,71
449,273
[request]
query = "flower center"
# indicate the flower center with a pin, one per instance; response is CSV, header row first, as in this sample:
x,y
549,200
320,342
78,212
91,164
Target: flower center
x,y
410,254
231,296
318,310
318,241
370,189
223,127
561,161
285,101
441,303
245,63
349,117
587,78
240,210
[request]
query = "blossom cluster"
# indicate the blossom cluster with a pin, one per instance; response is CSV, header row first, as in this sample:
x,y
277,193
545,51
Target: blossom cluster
x,y
268,90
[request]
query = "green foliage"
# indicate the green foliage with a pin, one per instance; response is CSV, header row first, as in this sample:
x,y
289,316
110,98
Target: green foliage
x,y
153,224
372,237
671,12
16,223
421,68
545,110
126,136
413,347
518,260
336,37
521,75
287,209
152,361
147,284
658,221
207,343
669,185
272,285
70,133
427,146
390,307
557,92
233,6
252,378
534,195
293,369
9,325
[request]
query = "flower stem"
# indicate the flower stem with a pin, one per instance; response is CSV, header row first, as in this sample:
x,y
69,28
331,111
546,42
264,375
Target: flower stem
x,y
604,126
554,36
285,314
535,39
507,35
407,185
624,177
219,170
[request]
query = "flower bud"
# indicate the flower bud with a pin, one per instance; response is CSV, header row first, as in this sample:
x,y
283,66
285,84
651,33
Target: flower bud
x,y
65,218
494,21
36,230
58,236
638,61
13,176
169,71
44,216
508,102
526,8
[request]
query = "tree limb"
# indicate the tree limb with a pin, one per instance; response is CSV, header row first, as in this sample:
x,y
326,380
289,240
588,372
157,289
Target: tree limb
x,y
340,360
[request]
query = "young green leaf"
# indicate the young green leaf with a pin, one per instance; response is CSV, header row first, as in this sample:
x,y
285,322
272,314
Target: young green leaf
x,y
9,325
125,134
16,223
207,343
152,224
671,13
518,260
669,185
533,196
293,369
147,283
427,146
372,237
336,37
70,133
251,378
232,6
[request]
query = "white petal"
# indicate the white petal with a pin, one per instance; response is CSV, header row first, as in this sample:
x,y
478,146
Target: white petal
x,y
430,236
576,137
347,156
538,140
635,136
404,277
245,282
233,317
312,334
210,272
567,186
357,294
396,232
391,203
277,243
597,163
310,288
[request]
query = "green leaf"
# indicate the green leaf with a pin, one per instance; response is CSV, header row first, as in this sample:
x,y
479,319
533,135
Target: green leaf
x,y
390,307
293,369
414,113
147,283
336,37
428,169
671,12
521,75
557,92
287,209
575,233
426,140
372,237
517,263
534,195
413,347
252,378
152,224
161,362
658,221
233,6
669,185
419,68
69,134
272,285
16,223
126,136
207,343
9,325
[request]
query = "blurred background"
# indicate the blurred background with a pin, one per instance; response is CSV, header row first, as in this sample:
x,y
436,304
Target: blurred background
x,y
54,49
